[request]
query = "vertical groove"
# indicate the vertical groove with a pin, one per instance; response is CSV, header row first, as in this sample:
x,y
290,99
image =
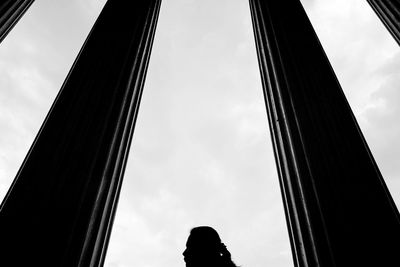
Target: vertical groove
x,y
388,12
60,208
10,13
338,209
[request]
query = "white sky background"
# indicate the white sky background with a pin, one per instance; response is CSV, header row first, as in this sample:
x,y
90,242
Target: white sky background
x,y
201,152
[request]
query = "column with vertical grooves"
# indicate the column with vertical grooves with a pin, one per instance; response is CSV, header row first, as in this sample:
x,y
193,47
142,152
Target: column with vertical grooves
x,y
60,208
389,13
338,209
10,12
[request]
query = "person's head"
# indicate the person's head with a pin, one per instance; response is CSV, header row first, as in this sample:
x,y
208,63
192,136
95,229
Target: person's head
x,y
204,248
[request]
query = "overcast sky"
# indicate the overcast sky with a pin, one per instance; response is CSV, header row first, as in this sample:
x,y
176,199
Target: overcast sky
x,y
201,153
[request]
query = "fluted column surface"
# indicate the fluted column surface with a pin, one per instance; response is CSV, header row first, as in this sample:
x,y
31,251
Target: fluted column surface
x,y
60,207
389,13
10,12
338,209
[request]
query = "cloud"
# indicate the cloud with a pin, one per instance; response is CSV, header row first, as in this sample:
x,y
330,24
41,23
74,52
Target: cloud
x,y
308,3
88,8
35,59
365,58
380,124
201,152
25,97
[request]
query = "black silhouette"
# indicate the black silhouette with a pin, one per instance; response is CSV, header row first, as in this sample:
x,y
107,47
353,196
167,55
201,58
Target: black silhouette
x,y
204,248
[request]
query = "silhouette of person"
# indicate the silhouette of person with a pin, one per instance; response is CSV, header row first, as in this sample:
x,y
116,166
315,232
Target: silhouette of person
x,y
205,249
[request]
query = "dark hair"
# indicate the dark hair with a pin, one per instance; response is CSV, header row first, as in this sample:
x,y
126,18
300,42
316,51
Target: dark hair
x,y
205,241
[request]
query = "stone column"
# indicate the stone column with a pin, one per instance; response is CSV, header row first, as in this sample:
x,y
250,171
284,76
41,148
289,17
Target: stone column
x,y
10,12
389,13
60,208
339,211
